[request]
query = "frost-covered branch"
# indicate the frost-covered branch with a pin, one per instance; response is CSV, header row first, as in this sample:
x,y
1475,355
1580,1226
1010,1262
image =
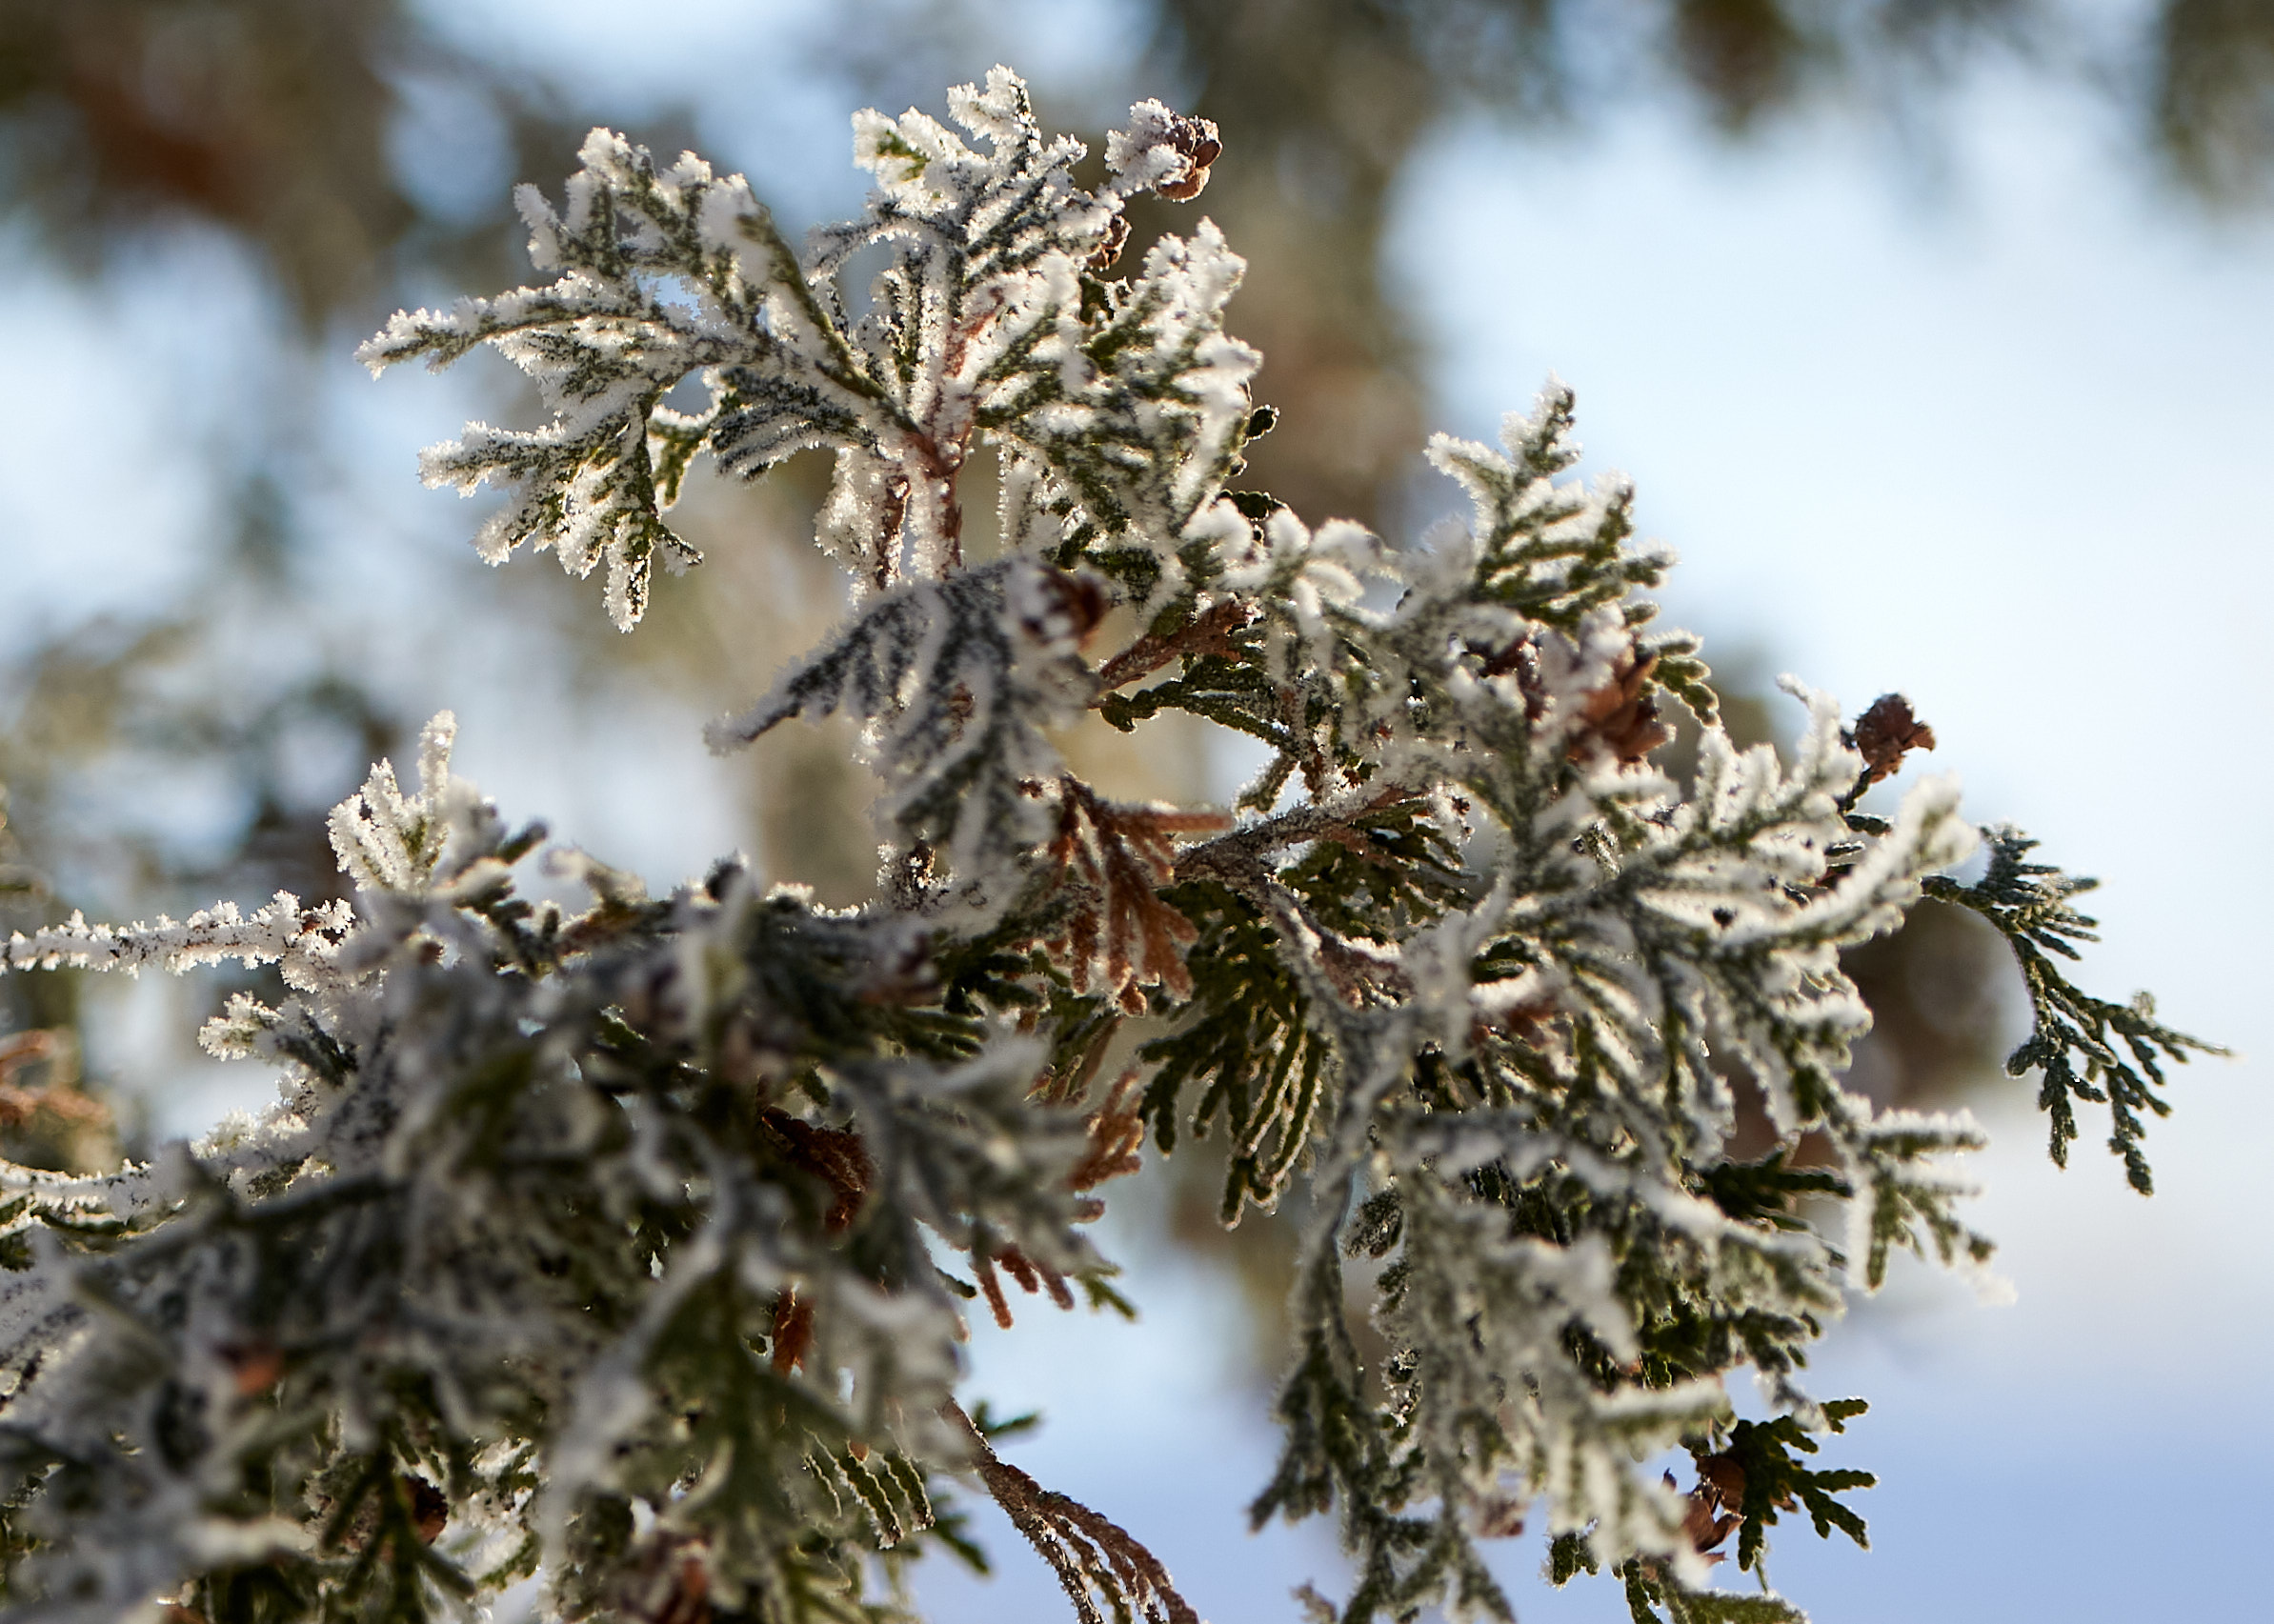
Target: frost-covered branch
x,y
304,938
634,1242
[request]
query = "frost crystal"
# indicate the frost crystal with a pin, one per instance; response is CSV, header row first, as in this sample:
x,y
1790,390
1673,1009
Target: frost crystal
x,y
632,1246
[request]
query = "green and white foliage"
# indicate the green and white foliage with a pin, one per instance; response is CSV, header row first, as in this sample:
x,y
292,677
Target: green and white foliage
x,y
1120,403
632,1247
953,680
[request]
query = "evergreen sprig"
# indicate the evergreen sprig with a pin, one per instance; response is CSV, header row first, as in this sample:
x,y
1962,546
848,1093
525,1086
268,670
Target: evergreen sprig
x,y
2120,1046
1768,1479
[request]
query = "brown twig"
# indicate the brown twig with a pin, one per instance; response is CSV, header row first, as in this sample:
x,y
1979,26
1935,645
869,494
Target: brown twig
x,y
1033,1278
1117,1134
1236,858
941,466
1208,633
1087,1552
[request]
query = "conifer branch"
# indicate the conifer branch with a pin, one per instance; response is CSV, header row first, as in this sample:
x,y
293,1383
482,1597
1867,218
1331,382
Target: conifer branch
x,y
634,1240
2121,1047
1093,1558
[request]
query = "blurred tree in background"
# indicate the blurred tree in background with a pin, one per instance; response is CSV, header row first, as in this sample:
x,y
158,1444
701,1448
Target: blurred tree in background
x,y
273,120
291,128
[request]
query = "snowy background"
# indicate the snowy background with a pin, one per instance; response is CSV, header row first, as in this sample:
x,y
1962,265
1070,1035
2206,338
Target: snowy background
x,y
1992,425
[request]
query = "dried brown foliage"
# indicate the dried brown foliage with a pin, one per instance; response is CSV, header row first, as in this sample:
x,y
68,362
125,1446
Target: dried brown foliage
x,y
1621,717
1704,1523
1093,1558
1885,734
1116,1136
834,1155
1197,142
792,1331
1716,1504
1117,238
430,1509
1500,1517
675,1586
1070,606
369,1519
1032,1276
1113,858
254,1367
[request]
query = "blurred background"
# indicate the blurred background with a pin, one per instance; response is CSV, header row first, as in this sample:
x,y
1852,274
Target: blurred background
x,y
1935,332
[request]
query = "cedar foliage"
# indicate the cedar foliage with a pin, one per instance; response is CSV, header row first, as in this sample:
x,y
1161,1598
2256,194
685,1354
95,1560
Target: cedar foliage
x,y
632,1245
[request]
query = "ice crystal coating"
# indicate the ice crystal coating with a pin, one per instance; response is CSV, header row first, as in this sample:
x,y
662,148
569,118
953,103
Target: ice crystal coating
x,y
1131,409
632,1246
